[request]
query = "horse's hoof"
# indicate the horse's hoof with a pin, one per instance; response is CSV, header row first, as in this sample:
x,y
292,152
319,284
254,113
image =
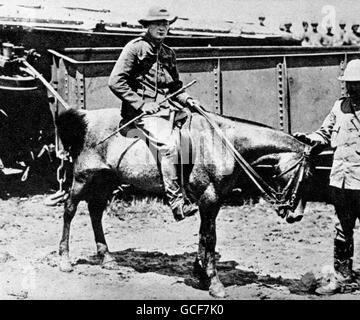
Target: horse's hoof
x,y
292,219
109,263
217,290
65,266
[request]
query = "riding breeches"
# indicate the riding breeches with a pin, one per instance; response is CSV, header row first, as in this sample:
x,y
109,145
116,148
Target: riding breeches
x,y
347,208
162,139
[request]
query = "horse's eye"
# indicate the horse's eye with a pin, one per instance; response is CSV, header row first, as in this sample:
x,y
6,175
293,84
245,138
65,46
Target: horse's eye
x,y
274,171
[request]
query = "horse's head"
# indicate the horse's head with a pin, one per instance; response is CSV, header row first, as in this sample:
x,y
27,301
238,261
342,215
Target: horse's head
x,y
292,175
289,159
287,186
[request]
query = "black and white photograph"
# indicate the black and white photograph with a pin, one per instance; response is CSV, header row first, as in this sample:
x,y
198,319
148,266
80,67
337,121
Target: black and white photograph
x,y
201,151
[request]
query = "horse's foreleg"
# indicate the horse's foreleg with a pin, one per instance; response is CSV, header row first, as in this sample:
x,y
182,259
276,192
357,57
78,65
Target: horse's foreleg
x,y
96,210
69,212
205,261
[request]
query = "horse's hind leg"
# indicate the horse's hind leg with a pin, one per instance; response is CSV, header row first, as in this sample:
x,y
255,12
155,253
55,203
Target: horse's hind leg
x,y
70,207
96,210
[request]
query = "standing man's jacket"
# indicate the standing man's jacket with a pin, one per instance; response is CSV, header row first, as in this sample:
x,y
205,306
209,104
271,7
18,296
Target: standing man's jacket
x,y
341,129
145,71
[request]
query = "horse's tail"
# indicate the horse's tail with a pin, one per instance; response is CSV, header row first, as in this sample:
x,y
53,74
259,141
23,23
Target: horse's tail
x,y
72,128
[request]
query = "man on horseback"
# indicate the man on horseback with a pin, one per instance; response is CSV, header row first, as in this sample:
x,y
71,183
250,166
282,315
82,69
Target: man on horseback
x,y
144,75
341,130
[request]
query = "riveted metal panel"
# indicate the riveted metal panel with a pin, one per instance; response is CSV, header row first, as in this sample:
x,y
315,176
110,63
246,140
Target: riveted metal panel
x,y
67,82
282,96
291,91
80,91
61,79
203,71
249,89
98,94
313,89
72,88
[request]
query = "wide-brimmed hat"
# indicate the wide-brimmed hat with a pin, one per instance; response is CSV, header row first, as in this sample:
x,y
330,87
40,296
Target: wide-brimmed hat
x,y
314,21
342,22
352,71
157,14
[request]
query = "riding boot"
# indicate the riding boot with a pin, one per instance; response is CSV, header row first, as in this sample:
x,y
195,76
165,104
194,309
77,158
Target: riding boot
x,y
178,205
343,280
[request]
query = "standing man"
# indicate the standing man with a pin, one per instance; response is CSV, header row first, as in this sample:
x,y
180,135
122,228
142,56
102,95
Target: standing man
x,y
144,75
341,130
329,37
305,36
261,19
342,37
354,35
287,26
316,38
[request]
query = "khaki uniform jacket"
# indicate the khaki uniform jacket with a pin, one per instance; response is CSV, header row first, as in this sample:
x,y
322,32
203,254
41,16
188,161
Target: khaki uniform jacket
x,y
341,129
305,39
353,39
328,40
316,39
342,38
145,71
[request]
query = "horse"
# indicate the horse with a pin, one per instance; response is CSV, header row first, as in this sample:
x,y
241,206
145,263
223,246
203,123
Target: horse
x,y
98,168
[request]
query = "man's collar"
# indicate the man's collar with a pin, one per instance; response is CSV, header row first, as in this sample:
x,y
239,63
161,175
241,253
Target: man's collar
x,y
151,40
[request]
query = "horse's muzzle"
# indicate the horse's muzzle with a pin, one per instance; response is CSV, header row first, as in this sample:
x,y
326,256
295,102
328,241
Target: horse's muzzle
x,y
297,214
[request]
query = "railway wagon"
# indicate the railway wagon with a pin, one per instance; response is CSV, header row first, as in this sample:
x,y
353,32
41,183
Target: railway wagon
x,y
289,88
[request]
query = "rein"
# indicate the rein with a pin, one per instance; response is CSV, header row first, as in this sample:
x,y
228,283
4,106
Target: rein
x,y
277,198
282,200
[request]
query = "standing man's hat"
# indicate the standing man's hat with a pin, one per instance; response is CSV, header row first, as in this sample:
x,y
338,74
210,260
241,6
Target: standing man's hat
x,y
314,22
157,14
352,71
342,23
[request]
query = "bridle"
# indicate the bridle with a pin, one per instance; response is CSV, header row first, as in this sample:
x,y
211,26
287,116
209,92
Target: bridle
x,y
288,197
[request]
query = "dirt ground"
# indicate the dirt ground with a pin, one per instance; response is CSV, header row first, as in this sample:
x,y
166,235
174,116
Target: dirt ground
x,y
260,255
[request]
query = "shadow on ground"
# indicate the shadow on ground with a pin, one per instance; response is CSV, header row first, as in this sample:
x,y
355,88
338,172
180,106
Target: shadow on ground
x,y
181,265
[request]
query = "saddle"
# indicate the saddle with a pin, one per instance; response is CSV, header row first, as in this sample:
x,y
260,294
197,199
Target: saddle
x,y
185,146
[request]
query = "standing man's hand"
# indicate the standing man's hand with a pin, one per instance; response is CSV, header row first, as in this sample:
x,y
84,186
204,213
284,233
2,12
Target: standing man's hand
x,y
150,107
303,137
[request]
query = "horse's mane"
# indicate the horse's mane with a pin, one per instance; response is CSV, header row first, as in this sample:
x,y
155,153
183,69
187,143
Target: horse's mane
x,y
274,134
240,120
72,128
